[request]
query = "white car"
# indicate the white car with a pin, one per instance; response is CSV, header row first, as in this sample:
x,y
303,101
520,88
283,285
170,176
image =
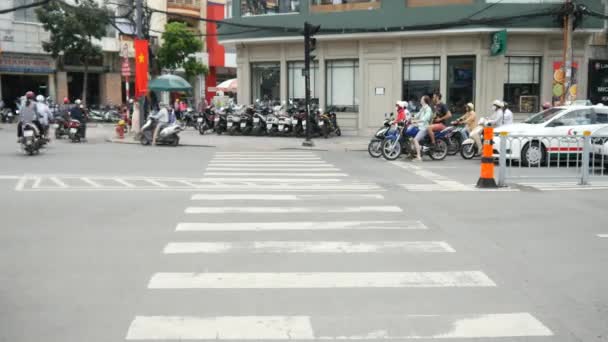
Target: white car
x,y
554,133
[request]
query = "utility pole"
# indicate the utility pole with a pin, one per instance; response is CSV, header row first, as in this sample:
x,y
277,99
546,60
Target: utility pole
x,y
567,65
310,45
139,18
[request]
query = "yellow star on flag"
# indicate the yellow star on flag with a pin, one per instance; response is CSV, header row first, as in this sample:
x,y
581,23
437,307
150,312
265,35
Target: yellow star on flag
x,y
141,58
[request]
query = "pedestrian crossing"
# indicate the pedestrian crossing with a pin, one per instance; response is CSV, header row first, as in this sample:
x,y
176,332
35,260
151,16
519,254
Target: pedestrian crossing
x,y
225,234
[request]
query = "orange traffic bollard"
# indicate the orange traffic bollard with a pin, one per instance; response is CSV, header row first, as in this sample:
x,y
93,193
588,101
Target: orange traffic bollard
x,y
486,178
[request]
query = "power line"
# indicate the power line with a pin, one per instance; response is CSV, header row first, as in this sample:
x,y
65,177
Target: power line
x,y
484,9
33,4
213,34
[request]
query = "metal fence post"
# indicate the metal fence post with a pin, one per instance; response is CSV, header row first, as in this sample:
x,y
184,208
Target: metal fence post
x,y
585,159
502,159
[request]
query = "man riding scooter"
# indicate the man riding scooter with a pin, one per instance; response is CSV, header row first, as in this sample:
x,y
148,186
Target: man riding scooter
x,y
163,120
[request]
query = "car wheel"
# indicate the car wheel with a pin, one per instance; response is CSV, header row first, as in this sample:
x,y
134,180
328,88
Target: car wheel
x,y
534,154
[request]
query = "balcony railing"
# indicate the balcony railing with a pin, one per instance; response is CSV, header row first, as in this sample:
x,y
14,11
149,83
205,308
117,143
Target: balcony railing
x,y
184,3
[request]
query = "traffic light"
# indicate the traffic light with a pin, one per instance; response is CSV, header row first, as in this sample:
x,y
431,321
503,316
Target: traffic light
x,y
310,45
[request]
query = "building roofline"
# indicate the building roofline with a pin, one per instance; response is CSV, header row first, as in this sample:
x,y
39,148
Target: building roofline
x,y
375,35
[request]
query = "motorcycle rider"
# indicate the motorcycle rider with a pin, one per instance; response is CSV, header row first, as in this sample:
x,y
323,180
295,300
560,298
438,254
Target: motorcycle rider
x,y
442,115
423,121
162,117
28,114
77,113
498,116
44,114
472,125
507,114
402,112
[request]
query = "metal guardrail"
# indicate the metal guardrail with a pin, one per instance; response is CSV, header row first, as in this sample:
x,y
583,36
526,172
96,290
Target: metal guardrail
x,y
581,157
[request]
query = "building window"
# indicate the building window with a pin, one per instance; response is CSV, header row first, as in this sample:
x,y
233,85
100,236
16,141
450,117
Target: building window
x,y
343,5
295,81
228,9
343,84
461,83
522,84
26,15
420,77
258,7
265,81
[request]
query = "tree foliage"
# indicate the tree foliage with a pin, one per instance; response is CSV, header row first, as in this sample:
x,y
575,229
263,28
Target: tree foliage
x,y
73,30
179,45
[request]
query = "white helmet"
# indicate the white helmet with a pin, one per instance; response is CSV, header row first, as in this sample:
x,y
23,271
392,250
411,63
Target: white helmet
x,y
40,98
498,103
402,104
77,101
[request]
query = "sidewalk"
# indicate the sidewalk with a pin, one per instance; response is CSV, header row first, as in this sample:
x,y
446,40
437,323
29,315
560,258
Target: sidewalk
x,y
190,137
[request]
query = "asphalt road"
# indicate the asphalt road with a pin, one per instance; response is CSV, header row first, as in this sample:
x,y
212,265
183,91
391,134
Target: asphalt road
x,y
105,242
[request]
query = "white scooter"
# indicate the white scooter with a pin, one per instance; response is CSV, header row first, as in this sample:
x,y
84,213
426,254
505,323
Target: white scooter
x,y
468,148
166,136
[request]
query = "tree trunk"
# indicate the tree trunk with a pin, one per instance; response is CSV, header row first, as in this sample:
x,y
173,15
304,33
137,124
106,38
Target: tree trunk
x,y
85,81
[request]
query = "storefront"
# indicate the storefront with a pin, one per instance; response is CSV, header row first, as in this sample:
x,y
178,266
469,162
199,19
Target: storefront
x,y
367,75
598,81
20,73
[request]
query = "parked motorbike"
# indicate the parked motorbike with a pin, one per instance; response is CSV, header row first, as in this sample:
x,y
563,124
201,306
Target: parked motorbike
x,y
399,141
206,121
259,121
246,122
167,136
221,121
328,123
272,121
189,117
31,141
7,115
374,148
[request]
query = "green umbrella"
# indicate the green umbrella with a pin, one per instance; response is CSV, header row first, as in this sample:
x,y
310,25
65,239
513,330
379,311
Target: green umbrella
x,y
169,83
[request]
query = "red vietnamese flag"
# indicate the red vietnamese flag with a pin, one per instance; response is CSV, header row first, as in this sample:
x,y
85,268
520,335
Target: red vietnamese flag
x,y
141,67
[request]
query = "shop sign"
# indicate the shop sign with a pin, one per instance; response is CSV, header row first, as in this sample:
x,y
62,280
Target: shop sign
x,y
498,43
24,63
598,81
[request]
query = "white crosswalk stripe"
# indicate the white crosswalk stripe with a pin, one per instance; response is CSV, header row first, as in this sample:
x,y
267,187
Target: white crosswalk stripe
x,y
602,235
272,187
308,247
288,328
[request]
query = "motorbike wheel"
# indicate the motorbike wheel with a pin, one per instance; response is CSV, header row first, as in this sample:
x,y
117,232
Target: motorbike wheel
x,y
232,130
175,142
144,141
325,131
440,151
246,130
57,134
391,149
201,129
468,151
454,145
374,148
256,131
338,132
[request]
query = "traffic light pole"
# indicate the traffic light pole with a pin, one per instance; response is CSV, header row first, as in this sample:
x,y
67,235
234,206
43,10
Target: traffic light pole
x,y
307,39
567,65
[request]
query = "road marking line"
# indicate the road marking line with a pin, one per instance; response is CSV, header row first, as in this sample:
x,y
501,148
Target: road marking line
x,y
319,280
274,226
91,183
281,197
258,197
349,328
124,182
286,158
271,165
273,162
273,180
303,153
220,328
235,174
59,182
21,183
602,235
347,247
153,182
37,181
7,177
327,169
291,210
